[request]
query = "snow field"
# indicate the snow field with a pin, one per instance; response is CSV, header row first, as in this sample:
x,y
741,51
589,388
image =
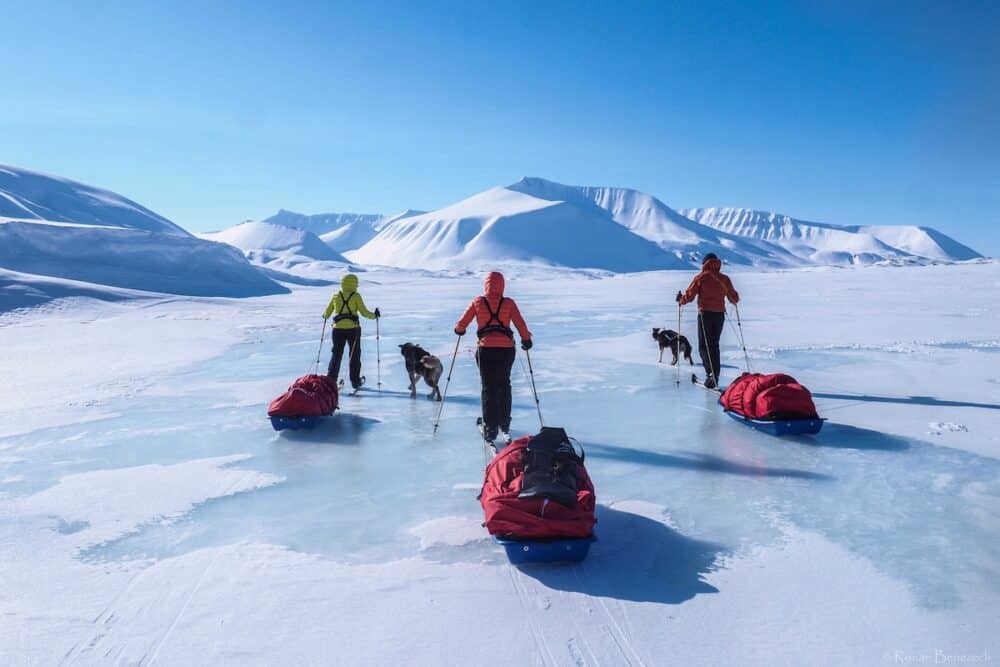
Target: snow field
x,y
167,522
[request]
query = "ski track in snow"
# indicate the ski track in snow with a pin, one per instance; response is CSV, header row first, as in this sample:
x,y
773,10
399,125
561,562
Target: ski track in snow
x,y
126,510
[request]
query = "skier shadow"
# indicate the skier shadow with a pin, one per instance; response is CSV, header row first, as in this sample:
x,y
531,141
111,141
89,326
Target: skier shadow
x,y
696,461
342,428
844,436
909,400
637,559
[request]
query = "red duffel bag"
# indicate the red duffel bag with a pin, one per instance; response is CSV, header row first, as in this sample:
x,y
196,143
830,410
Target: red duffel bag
x,y
537,488
775,396
309,396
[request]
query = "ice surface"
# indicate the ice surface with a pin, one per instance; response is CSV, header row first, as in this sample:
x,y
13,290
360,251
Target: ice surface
x,y
168,522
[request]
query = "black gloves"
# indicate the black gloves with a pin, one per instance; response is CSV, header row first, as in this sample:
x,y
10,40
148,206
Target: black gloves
x,y
526,344
679,296
459,332
378,313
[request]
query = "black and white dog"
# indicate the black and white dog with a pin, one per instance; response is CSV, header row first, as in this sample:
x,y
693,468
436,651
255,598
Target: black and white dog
x,y
678,344
422,364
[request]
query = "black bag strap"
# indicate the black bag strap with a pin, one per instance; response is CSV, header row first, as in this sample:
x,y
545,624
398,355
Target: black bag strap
x,y
345,302
494,325
494,316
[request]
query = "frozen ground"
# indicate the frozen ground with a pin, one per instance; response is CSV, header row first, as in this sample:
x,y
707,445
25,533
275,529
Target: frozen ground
x,y
149,514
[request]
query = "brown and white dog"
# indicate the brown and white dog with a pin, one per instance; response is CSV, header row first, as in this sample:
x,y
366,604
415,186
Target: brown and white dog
x,y
422,364
668,338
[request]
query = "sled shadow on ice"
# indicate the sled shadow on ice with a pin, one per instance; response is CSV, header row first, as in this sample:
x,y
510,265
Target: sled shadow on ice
x,y
637,559
908,400
342,428
844,436
695,461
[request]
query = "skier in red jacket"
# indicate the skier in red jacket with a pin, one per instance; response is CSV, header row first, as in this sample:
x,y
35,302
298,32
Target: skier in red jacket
x,y
494,314
711,287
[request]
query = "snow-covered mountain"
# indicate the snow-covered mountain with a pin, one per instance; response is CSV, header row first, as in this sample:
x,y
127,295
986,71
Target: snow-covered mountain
x,y
264,242
389,219
822,243
30,195
322,223
653,220
351,236
506,225
56,235
341,231
537,220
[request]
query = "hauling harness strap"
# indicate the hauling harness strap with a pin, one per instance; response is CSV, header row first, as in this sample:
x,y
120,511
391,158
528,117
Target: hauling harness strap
x,y
346,303
494,325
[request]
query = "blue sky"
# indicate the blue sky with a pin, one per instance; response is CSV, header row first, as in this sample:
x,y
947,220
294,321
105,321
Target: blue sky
x,y
211,113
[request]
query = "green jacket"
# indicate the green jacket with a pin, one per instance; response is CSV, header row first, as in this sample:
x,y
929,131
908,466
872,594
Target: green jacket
x,y
347,302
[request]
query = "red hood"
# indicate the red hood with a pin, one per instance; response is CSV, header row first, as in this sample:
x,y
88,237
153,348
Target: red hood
x,y
493,286
712,266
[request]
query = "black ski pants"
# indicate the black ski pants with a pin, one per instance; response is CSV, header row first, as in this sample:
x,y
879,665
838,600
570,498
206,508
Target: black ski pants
x,y
352,339
495,364
709,333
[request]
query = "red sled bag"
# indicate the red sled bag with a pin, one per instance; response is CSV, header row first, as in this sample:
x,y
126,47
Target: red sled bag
x,y
309,396
537,488
768,397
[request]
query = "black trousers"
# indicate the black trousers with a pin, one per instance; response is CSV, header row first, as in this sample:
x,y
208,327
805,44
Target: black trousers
x,y
352,339
709,333
495,364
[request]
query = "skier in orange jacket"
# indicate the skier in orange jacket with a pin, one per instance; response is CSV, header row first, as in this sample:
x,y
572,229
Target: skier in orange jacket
x,y
494,313
711,287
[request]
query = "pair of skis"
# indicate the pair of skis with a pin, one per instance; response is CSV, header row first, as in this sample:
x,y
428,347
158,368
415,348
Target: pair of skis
x,y
491,444
701,383
354,390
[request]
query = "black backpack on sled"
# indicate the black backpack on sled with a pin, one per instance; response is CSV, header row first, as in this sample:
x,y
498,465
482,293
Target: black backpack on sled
x,y
550,467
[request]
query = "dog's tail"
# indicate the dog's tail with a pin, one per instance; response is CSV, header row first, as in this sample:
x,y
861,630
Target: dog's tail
x,y
429,361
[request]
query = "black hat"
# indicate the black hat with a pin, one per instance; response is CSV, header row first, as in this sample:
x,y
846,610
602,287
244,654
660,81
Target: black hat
x,y
709,256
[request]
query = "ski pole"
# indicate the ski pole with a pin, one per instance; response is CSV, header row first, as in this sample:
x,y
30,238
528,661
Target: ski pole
x,y
678,380
437,422
746,355
538,406
378,351
319,353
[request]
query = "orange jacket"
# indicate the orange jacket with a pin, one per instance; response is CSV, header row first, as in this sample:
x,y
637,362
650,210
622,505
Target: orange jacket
x,y
711,287
492,300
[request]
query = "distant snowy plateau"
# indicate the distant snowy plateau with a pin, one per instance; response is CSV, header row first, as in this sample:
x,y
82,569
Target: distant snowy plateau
x,y
149,514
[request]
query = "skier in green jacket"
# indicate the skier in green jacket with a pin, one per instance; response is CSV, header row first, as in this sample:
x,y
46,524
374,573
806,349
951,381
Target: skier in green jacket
x,y
345,306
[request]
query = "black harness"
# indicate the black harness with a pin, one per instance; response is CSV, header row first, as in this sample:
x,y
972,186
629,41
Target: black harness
x,y
341,315
494,325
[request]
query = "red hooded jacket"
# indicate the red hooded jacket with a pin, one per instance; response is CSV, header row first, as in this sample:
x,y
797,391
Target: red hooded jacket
x,y
711,287
494,299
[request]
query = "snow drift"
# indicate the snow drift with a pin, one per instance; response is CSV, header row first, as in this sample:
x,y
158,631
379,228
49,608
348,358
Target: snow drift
x,y
32,195
65,233
504,225
130,258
